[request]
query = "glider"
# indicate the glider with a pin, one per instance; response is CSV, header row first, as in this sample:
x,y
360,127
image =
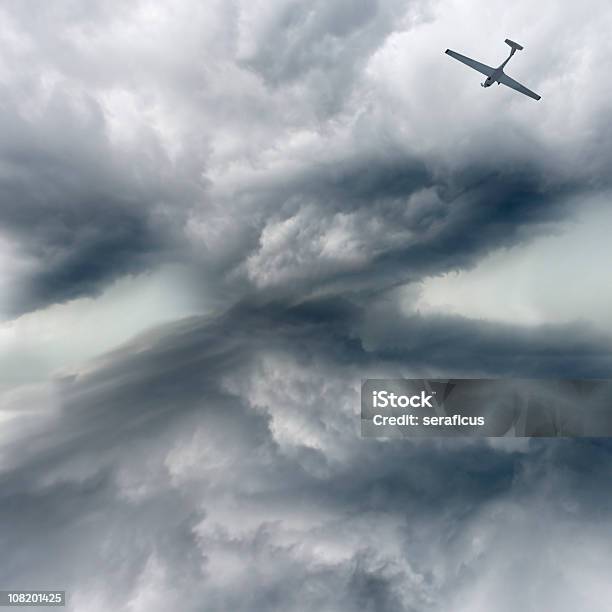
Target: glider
x,y
496,75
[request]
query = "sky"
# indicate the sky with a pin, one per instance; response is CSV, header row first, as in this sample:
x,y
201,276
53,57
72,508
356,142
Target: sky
x,y
216,219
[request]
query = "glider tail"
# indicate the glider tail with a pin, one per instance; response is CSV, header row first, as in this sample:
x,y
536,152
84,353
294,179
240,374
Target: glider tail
x,y
515,46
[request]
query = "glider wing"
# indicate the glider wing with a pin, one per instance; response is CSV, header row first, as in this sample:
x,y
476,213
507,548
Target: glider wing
x,y
504,79
468,61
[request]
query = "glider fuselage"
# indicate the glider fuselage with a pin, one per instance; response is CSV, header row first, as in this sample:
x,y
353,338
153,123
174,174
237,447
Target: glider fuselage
x,y
494,78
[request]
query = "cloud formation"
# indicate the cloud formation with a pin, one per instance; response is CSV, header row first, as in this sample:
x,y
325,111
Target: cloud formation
x,y
308,168
221,134
217,460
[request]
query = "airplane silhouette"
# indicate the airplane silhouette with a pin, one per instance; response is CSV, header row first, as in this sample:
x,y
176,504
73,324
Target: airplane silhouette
x,y
496,75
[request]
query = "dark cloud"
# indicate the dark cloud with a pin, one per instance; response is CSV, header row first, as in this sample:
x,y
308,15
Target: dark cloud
x,y
125,152
82,212
217,460
321,48
451,343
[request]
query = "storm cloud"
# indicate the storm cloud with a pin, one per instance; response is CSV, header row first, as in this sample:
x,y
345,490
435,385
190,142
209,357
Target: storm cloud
x,y
233,130
296,176
217,460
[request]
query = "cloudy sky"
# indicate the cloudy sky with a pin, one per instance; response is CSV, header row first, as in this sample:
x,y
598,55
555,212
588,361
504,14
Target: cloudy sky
x,y
216,218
